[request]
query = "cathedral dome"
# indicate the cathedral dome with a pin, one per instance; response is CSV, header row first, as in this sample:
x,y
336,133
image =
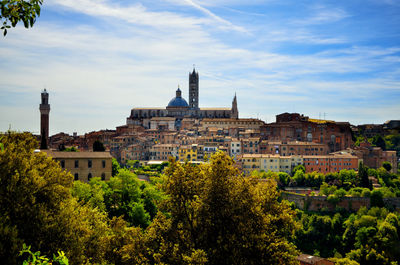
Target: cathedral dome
x,y
178,101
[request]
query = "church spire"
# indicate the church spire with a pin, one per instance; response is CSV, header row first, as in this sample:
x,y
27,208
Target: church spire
x,y
178,92
234,110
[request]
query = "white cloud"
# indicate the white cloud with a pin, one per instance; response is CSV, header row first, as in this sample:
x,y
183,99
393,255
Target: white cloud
x,y
139,14
224,23
321,15
95,77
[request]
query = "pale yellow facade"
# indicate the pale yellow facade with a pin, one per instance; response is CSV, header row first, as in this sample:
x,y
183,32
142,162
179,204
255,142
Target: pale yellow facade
x,y
274,163
191,153
84,165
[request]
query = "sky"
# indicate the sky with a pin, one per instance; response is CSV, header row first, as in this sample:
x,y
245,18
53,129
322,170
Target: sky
x,y
98,59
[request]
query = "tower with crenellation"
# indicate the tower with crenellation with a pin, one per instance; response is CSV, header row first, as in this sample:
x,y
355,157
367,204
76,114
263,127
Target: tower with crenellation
x,y
44,120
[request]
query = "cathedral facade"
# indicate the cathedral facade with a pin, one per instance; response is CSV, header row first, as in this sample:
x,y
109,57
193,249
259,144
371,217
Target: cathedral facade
x,y
178,108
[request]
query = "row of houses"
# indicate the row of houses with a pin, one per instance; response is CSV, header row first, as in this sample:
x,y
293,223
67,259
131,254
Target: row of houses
x,y
277,163
291,135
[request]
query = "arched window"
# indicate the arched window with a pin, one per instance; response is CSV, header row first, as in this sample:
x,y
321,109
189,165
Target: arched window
x,y
89,176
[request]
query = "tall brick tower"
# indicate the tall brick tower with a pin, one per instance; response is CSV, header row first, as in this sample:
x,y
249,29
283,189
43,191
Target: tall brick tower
x,y
194,90
44,119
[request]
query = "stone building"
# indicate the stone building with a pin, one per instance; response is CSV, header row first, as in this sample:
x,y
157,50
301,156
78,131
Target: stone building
x,y
133,152
372,156
228,123
84,165
268,162
191,153
296,127
162,152
179,109
330,163
293,148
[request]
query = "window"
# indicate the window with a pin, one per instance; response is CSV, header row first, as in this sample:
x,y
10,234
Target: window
x,y
76,163
89,164
62,163
103,176
76,176
89,176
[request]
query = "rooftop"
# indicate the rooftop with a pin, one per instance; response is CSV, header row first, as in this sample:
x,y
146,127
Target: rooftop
x,y
60,154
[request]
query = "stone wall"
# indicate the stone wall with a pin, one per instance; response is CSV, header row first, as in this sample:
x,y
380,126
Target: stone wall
x,y
317,203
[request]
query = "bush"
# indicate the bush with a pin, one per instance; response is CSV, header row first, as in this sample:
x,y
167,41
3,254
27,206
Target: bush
x,y
377,198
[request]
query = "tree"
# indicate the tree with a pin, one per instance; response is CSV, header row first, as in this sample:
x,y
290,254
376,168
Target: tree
x,y
121,196
386,165
232,218
132,164
377,198
363,175
115,167
36,207
34,258
14,11
98,146
378,140
298,167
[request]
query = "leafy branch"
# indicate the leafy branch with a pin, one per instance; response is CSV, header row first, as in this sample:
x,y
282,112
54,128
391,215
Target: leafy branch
x,y
34,258
13,11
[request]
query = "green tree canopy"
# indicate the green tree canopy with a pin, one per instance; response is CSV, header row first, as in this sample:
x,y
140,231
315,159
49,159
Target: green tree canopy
x,y
386,165
14,11
36,207
232,218
378,140
98,146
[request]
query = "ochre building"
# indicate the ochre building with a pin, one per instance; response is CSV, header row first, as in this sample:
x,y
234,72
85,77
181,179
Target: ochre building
x,y
84,165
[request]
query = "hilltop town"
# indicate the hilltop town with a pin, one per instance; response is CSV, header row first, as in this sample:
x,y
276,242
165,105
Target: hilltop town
x,y
186,132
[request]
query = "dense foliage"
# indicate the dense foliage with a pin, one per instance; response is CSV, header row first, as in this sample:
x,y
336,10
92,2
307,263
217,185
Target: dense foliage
x,y
388,142
123,195
36,207
345,182
233,219
209,214
98,146
367,237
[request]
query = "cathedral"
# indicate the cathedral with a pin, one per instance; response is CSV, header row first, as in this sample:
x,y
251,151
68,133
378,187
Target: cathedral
x,y
178,108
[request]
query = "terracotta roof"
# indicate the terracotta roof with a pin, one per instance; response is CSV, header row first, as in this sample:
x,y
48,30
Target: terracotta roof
x,y
60,154
329,156
230,119
292,143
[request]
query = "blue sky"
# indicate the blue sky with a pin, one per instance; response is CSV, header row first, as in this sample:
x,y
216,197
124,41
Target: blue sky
x,y
100,58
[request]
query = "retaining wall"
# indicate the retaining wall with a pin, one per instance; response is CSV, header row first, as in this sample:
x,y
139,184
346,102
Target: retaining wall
x,y
317,203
